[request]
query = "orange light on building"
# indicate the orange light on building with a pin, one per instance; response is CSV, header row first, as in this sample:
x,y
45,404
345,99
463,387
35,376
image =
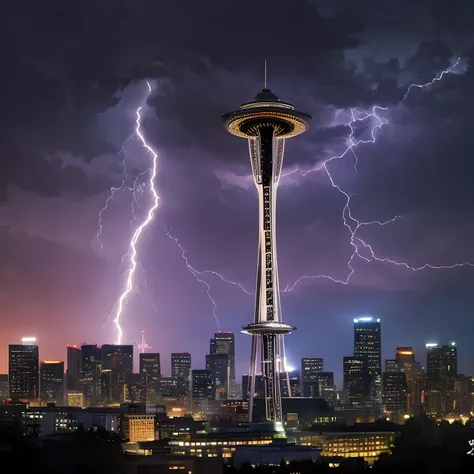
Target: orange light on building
x,y
52,361
405,353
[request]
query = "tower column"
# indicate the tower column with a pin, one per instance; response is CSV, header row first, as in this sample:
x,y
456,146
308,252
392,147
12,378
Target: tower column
x,y
266,123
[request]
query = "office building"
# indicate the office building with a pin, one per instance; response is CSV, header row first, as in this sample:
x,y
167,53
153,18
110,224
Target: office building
x,y
73,372
405,357
181,371
90,380
202,388
266,122
138,427
219,365
394,394
367,346
23,370
150,370
310,368
119,360
224,343
355,380
441,374
52,381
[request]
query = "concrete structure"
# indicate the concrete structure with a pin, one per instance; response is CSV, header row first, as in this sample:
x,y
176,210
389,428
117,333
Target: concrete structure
x,y
266,122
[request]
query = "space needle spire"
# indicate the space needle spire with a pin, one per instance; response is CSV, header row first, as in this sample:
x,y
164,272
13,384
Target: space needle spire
x,y
266,122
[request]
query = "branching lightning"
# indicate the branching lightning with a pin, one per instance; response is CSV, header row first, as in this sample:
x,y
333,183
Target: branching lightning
x,y
360,248
197,274
349,221
137,188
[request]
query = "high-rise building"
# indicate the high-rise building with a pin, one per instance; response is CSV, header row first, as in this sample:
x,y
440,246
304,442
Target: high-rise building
x,y
52,381
441,374
367,345
394,392
119,360
405,357
181,372
224,343
73,373
266,123
150,370
310,368
202,388
219,365
90,380
23,369
355,380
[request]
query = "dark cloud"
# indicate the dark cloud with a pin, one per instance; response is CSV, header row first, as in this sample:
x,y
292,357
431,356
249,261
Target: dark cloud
x,y
73,76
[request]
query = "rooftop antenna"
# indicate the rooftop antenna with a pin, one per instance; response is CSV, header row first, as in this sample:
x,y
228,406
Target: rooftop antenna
x,y
265,76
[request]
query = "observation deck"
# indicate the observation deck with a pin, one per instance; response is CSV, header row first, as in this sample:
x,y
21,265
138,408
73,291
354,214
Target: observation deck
x,y
266,110
268,327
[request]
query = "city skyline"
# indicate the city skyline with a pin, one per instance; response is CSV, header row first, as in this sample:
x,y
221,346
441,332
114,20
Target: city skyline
x,y
198,362
63,153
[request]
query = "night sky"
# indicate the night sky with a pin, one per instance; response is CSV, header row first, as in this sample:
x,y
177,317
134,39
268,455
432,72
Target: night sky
x,y
72,77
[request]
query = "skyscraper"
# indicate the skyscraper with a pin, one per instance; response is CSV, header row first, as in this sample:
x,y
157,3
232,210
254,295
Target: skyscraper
x,y
355,380
219,366
150,370
310,368
73,372
394,393
23,369
118,358
181,372
52,381
266,122
202,388
405,358
224,343
441,372
367,345
90,380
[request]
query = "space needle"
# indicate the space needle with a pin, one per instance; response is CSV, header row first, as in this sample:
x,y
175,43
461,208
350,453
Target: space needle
x,y
266,122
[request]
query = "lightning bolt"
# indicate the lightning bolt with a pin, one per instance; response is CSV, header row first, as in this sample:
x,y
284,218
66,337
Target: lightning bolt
x,y
352,224
197,274
113,190
132,253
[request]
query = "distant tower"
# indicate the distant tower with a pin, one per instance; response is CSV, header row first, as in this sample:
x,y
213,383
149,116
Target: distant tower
x,y
266,122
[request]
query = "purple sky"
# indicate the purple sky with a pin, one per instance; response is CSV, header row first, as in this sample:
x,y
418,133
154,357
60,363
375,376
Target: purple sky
x,y
75,77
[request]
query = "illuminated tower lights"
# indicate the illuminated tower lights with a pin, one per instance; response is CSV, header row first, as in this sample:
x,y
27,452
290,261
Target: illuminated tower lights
x,y
266,122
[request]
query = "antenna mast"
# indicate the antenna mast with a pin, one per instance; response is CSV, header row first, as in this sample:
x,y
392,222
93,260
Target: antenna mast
x,y
265,76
